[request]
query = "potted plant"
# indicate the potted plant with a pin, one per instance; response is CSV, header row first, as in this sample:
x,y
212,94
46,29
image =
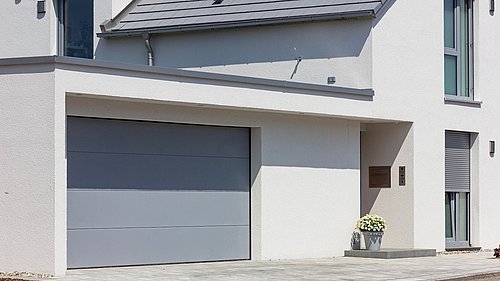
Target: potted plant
x,y
372,227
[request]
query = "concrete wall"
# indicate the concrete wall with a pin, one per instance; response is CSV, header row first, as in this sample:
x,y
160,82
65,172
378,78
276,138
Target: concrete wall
x,y
487,88
26,33
389,144
340,48
316,152
31,226
306,164
408,80
408,75
301,164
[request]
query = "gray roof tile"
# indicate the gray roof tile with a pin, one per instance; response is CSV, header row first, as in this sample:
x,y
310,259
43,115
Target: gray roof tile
x,y
155,16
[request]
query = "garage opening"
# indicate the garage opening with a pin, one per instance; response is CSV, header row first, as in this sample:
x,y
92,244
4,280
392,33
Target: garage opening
x,y
144,193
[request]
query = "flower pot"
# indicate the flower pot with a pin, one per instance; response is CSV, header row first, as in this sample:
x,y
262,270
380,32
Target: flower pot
x,y
373,240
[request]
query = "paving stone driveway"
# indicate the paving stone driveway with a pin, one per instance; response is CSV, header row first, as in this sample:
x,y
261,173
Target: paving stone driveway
x,y
428,268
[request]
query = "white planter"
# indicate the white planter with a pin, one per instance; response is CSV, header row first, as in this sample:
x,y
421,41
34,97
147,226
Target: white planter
x,y
373,240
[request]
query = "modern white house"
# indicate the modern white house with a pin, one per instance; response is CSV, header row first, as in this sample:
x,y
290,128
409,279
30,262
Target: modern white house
x,y
169,131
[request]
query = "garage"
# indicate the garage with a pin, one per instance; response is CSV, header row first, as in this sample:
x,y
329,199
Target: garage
x,y
152,193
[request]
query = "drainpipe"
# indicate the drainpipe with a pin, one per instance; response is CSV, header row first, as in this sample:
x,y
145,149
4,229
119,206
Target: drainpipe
x,y
149,48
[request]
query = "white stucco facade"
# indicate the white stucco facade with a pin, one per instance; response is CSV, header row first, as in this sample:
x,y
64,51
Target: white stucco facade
x,y
311,143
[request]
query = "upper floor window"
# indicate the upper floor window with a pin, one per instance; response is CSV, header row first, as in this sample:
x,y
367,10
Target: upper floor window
x,y
458,48
78,25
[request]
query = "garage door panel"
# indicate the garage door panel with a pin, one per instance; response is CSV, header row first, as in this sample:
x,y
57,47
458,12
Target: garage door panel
x,y
156,172
156,246
150,193
126,208
118,136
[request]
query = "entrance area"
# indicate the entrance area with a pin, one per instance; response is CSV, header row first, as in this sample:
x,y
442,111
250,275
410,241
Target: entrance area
x,y
389,147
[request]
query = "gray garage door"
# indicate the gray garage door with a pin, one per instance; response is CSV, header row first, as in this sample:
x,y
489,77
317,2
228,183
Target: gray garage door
x,y
152,193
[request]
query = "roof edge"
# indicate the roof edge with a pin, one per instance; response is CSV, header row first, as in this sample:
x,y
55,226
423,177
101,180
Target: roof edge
x,y
110,23
335,91
237,24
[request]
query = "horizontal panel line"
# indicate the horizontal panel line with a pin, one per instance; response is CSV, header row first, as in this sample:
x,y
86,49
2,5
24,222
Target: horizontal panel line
x,y
156,154
157,227
88,189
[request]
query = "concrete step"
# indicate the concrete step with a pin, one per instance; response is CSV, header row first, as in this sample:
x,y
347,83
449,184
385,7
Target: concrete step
x,y
463,249
391,253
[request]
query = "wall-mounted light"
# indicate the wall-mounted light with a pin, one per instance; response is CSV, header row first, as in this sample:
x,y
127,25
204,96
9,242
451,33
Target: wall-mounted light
x,y
40,7
492,148
492,6
331,80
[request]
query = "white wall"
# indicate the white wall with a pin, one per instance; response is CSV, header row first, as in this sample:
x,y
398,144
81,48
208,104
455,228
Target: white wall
x,y
408,81
310,187
340,48
488,89
304,163
24,32
320,153
28,180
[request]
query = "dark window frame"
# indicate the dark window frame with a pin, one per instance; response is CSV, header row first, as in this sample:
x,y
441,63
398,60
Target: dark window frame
x,y
61,30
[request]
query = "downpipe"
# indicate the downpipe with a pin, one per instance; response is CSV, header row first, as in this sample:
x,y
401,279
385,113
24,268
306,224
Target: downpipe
x,y
149,48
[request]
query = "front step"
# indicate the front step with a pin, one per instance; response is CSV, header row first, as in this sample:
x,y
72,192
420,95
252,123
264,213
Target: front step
x,y
463,249
391,253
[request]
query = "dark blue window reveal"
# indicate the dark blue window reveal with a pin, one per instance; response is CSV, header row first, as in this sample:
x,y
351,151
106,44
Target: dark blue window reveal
x,y
79,28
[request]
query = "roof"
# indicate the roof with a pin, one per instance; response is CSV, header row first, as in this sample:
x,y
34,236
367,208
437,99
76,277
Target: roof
x,y
160,16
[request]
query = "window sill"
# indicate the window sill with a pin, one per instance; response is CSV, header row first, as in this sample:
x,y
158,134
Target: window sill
x,y
462,101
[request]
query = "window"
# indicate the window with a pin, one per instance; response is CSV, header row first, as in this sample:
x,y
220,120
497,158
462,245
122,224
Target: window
x,y
458,48
78,28
457,188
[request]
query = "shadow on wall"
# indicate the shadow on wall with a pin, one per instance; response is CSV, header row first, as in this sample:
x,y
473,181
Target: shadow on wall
x,y
381,145
321,40
214,82
318,40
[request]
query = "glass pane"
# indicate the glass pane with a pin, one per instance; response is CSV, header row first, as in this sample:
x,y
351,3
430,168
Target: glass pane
x,y
462,217
79,28
449,23
447,216
450,75
464,49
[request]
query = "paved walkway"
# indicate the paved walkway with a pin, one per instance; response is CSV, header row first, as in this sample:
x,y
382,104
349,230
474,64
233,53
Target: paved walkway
x,y
428,268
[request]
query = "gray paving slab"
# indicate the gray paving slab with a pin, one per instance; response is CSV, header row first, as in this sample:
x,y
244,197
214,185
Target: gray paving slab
x,y
343,268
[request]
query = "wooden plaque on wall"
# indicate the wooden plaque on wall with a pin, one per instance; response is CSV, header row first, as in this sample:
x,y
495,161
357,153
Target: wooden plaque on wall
x,y
379,177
